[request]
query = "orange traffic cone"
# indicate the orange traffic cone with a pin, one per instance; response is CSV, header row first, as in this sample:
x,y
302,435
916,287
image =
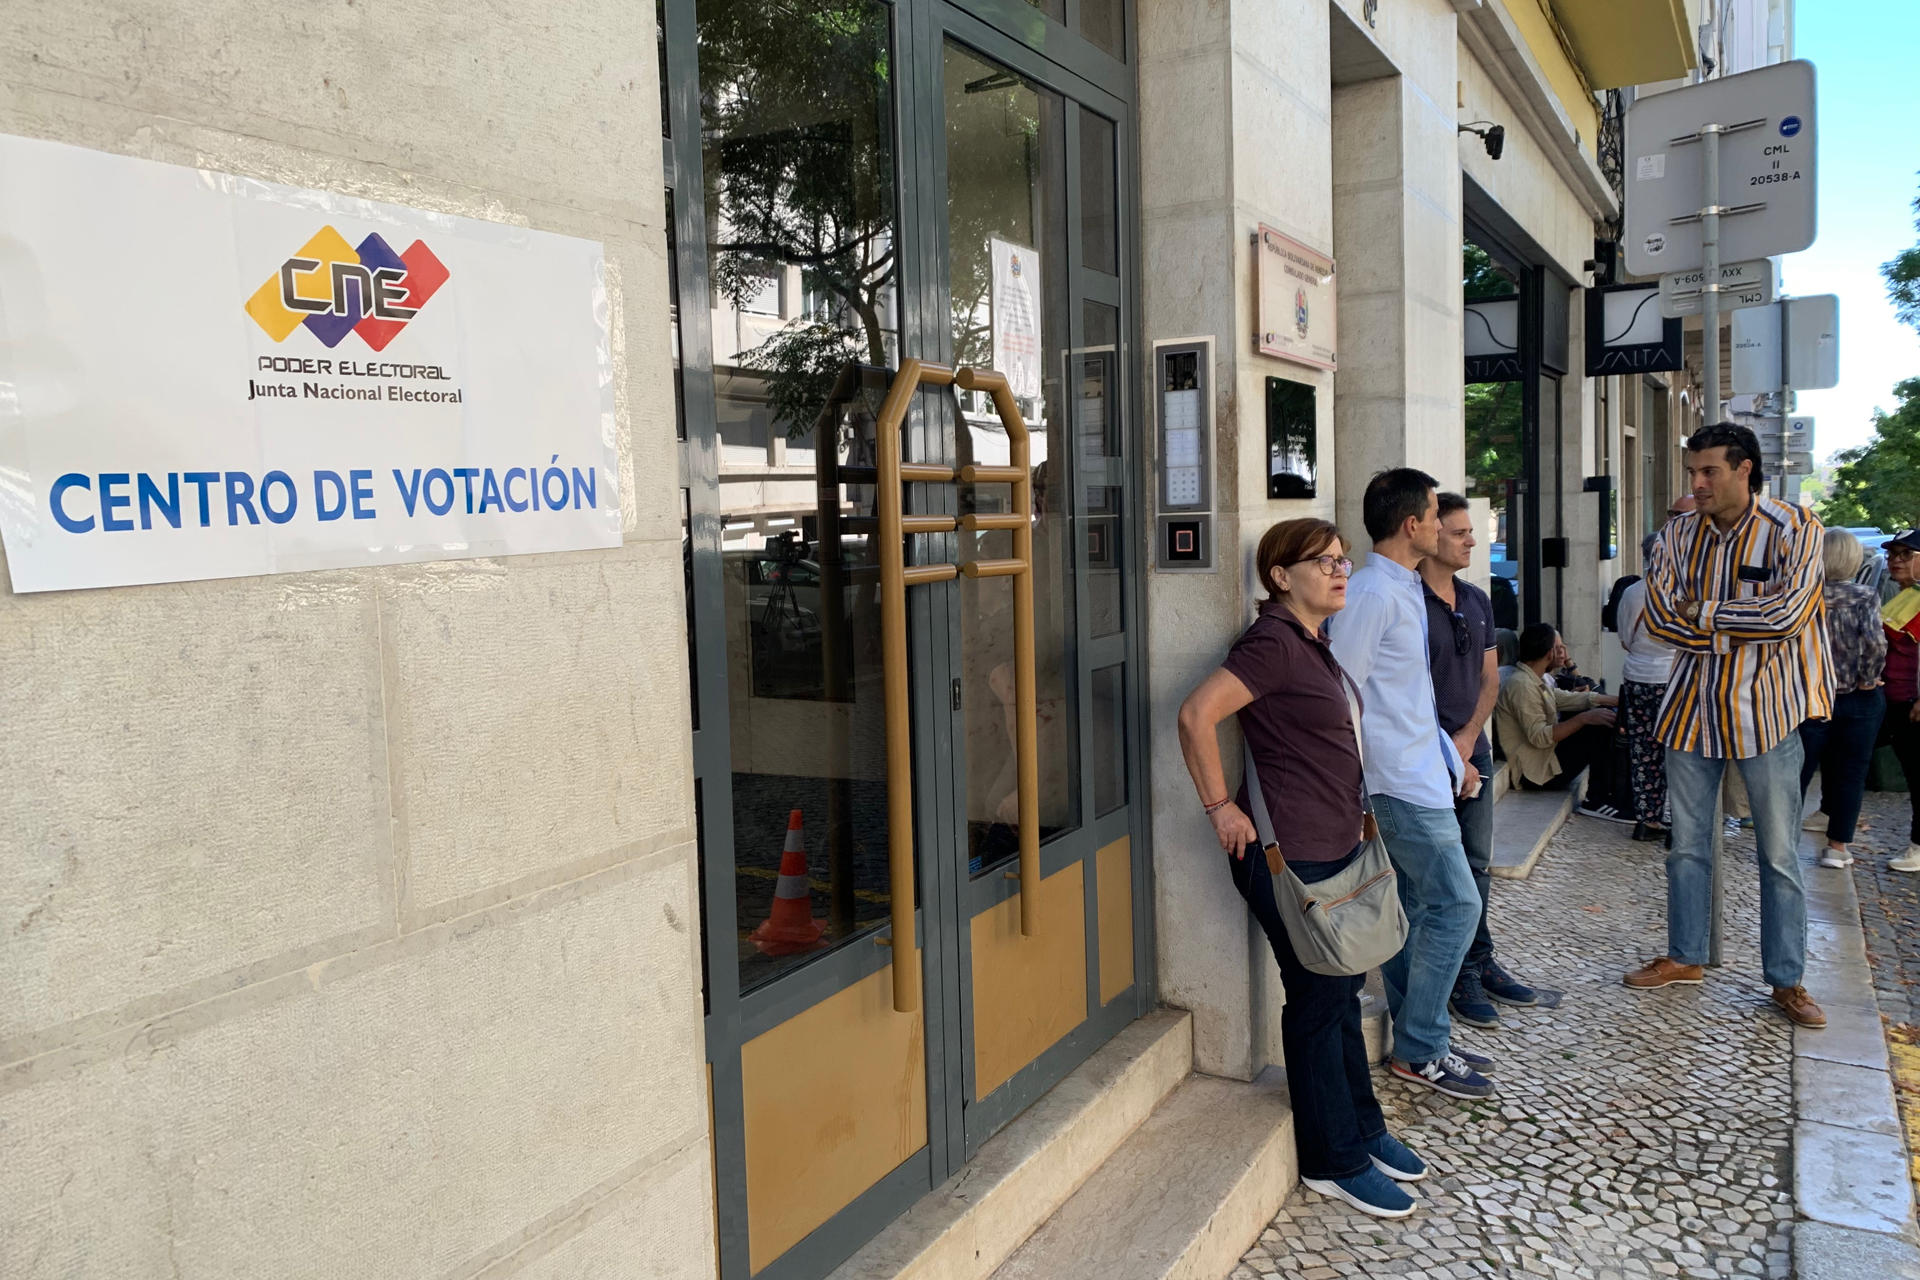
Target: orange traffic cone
x,y
791,928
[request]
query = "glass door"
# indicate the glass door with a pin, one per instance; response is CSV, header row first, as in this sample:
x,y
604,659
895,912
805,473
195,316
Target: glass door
x,y
854,184
797,253
1029,177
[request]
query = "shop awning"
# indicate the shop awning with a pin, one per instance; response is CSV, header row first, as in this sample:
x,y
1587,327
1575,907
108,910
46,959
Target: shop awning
x,y
1623,42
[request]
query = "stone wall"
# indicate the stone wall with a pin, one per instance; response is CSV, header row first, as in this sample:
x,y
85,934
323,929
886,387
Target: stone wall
x,y
1241,124
349,918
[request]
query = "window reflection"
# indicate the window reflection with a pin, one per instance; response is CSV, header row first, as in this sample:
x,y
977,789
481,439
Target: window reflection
x,y
1006,179
1495,432
1101,474
798,158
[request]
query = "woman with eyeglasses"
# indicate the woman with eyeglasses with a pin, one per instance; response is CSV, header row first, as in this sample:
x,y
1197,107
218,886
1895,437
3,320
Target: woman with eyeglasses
x,y
1901,728
1281,679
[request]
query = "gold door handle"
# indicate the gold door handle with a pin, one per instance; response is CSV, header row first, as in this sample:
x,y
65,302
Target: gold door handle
x,y
895,577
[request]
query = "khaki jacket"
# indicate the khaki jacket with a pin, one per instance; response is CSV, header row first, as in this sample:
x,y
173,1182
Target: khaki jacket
x,y
1524,720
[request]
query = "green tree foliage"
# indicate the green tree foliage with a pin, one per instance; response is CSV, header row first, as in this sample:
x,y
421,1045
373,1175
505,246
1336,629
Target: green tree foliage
x,y
1482,277
1878,484
1903,278
796,111
1492,408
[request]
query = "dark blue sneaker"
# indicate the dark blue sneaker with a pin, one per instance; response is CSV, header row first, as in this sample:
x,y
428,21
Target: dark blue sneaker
x,y
1448,1075
1369,1191
1469,1002
1504,987
1391,1157
1478,1061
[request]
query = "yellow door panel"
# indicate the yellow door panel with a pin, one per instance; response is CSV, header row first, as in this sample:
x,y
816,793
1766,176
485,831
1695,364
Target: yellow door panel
x,y
1028,992
836,1098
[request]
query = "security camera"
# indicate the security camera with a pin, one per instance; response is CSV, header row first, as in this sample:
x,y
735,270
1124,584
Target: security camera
x,y
1492,136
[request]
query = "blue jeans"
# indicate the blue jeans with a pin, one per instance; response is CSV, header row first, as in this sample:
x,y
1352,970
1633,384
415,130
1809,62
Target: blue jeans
x,y
1773,792
1436,889
1840,750
1476,836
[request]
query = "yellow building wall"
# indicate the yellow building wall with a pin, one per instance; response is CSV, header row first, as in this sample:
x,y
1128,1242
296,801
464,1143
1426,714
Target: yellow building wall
x,y
1536,25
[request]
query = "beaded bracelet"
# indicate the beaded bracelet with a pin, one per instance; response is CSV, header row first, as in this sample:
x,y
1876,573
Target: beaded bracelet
x,y
1217,805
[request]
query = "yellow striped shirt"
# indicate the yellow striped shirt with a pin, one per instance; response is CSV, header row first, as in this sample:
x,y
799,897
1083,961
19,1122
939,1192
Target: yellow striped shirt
x,y
1755,664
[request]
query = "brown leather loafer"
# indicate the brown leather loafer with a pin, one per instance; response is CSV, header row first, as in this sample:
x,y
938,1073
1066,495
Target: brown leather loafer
x,y
1799,1007
1664,972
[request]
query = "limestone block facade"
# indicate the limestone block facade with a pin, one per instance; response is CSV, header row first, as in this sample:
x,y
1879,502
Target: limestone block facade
x,y
349,919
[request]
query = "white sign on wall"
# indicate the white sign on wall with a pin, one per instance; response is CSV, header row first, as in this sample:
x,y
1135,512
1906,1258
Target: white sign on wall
x,y
216,377
1016,316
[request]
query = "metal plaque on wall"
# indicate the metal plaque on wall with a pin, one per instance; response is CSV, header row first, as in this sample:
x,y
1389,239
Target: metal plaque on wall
x,y
1293,292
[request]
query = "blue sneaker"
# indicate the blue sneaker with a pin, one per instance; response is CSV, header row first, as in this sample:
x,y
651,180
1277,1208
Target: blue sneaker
x,y
1392,1157
1448,1075
1469,1002
1369,1191
1478,1061
1504,987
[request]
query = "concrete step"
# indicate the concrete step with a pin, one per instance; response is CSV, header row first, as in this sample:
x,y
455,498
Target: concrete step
x,y
1526,823
1183,1198
972,1223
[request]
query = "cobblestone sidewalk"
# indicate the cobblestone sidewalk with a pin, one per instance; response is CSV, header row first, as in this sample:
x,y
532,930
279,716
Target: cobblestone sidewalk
x,y
1632,1134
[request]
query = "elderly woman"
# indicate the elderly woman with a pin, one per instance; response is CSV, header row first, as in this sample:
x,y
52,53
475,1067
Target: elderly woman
x,y
1291,696
1841,748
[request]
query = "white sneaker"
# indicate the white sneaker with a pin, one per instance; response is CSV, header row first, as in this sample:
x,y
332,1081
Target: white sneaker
x,y
1831,857
1908,861
1815,821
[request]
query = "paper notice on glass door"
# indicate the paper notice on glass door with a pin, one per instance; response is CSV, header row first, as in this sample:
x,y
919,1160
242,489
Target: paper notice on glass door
x,y
1016,316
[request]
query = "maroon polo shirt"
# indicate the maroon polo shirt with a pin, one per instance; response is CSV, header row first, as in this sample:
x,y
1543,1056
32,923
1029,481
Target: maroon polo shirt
x,y
1301,733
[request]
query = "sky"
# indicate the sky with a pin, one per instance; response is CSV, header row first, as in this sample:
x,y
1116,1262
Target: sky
x,y
1866,57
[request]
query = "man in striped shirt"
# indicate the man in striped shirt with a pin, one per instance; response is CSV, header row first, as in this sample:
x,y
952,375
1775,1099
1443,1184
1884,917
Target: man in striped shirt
x,y
1735,588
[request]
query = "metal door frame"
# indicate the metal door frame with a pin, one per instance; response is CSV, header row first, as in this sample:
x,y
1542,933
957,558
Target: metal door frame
x,y
1013,33
978,1119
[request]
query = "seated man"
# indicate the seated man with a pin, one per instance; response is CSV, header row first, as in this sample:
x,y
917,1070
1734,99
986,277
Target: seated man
x,y
1550,735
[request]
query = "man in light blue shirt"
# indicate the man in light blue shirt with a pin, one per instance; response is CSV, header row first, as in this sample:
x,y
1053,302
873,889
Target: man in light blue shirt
x,y
1413,772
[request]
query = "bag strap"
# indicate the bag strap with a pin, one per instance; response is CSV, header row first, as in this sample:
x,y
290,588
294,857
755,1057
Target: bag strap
x,y
1262,819
1359,739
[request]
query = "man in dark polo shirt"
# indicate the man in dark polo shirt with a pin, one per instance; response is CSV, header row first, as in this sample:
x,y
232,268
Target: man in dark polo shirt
x,y
1466,684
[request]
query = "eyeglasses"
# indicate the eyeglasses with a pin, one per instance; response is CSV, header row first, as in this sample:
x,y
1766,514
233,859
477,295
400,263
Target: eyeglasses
x,y
1329,565
1899,552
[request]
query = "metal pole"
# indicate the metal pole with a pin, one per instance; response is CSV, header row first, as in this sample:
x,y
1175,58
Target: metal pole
x,y
1710,373
1719,844
1710,269
1786,396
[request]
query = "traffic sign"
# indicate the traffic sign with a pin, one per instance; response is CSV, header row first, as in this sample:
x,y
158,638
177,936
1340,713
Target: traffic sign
x,y
1813,345
1742,284
1766,195
1797,438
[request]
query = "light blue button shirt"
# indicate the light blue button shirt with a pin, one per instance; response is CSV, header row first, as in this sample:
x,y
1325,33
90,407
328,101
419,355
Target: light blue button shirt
x,y
1381,640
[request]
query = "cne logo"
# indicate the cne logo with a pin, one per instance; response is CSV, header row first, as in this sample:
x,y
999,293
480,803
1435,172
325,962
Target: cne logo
x,y
334,288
